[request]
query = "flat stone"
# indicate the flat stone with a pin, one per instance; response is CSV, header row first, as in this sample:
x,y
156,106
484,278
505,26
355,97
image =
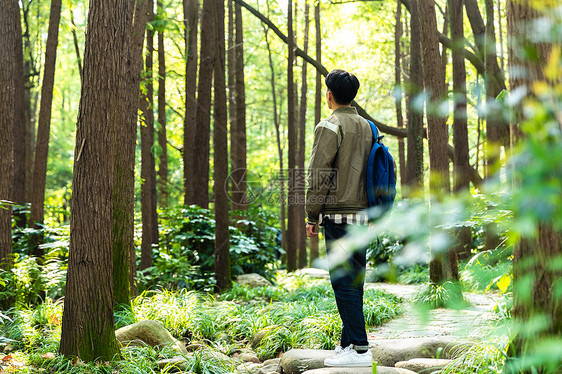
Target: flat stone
x,y
299,360
314,273
179,363
252,280
390,351
151,333
272,361
249,368
359,370
249,357
271,369
423,365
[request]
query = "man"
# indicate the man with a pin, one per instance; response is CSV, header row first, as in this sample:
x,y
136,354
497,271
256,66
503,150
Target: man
x,y
336,197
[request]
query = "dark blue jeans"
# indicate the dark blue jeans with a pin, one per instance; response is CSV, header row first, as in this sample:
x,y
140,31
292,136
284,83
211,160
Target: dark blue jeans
x,y
348,278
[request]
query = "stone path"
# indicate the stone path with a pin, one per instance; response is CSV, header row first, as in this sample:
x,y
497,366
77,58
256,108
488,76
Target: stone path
x,y
440,322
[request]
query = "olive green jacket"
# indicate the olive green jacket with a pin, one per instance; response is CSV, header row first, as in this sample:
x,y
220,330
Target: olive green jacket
x,y
337,170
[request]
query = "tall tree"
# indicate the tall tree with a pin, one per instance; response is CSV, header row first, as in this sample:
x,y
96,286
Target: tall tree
x,y
277,123
87,325
441,267
220,136
238,132
162,136
20,148
30,101
124,252
148,170
8,40
203,116
302,255
497,131
44,126
317,103
231,61
414,163
461,178
536,258
398,88
292,230
191,19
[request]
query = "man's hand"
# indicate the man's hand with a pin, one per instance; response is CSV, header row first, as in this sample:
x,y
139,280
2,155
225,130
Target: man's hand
x,y
311,230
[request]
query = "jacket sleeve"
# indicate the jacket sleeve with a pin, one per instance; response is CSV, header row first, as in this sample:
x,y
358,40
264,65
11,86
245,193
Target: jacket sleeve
x,y
327,139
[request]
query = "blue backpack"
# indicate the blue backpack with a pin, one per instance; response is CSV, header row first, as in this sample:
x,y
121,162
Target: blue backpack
x,y
381,181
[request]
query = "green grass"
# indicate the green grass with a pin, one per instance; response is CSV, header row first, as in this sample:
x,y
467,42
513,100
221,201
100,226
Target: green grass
x,y
298,312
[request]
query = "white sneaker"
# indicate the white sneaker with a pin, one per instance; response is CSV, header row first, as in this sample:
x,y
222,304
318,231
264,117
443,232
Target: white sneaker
x,y
348,357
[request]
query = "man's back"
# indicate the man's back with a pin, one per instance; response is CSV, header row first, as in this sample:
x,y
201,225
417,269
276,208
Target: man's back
x,y
342,143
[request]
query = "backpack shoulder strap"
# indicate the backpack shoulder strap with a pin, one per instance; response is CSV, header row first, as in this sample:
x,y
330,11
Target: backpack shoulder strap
x,y
374,129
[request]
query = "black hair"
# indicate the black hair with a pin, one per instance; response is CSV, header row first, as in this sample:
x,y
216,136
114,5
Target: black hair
x,y
343,86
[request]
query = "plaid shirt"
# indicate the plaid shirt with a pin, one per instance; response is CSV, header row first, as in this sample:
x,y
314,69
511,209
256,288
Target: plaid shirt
x,y
359,218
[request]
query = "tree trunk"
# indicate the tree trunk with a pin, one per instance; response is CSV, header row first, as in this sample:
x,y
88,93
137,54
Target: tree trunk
x,y
398,86
231,59
19,149
497,131
9,9
203,117
277,124
148,172
163,193
238,133
317,105
124,252
292,229
191,17
302,255
30,105
43,129
461,178
87,324
433,76
220,136
414,164
536,277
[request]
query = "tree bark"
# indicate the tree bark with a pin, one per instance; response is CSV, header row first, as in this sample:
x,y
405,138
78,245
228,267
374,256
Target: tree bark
x,y
462,235
534,258
238,133
440,267
148,172
87,324
414,164
276,121
44,126
231,59
292,229
18,190
398,100
163,193
203,116
220,136
302,255
317,105
8,40
191,17
497,131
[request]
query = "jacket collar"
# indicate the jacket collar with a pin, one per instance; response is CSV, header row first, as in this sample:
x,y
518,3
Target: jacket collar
x,y
346,109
